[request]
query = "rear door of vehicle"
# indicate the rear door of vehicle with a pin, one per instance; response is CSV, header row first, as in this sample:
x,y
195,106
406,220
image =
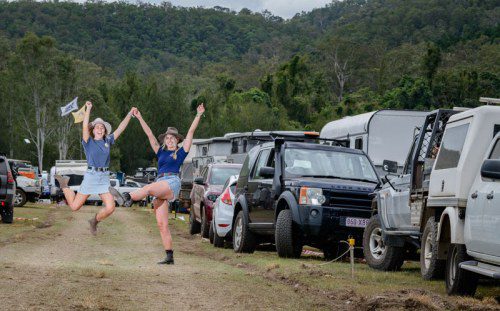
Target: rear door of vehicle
x,y
3,178
486,213
259,192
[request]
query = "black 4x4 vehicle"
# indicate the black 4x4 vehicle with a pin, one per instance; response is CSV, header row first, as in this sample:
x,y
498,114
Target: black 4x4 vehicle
x,y
302,193
7,190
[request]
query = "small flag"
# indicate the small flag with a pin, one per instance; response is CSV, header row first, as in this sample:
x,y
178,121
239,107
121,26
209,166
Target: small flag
x,y
79,115
69,107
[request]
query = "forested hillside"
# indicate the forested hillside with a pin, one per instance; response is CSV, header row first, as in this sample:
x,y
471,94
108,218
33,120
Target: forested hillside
x,y
253,70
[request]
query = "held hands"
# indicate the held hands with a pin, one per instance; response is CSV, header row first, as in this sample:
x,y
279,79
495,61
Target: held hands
x,y
132,112
137,113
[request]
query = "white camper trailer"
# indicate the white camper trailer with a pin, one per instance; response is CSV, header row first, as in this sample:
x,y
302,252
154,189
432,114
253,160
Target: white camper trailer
x,y
382,134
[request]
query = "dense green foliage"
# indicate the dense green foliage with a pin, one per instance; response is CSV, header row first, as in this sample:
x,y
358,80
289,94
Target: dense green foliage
x,y
252,70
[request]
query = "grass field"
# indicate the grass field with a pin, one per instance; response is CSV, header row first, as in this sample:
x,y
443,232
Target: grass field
x,y
49,261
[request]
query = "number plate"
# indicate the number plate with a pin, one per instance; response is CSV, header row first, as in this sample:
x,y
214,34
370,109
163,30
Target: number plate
x,y
356,222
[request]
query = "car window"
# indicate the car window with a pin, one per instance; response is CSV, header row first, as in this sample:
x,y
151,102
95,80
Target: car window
x,y
495,153
328,163
220,175
3,166
261,162
451,147
249,159
131,184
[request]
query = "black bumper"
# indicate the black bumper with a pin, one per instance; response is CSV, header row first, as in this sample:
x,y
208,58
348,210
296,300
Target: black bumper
x,y
329,224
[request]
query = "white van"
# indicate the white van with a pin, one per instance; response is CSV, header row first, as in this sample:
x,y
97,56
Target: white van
x,y
382,135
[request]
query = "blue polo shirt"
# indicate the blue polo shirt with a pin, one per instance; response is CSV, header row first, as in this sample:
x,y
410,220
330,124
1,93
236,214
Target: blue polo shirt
x,y
97,151
167,163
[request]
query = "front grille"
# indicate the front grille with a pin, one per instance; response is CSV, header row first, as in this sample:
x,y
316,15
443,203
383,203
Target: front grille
x,y
348,199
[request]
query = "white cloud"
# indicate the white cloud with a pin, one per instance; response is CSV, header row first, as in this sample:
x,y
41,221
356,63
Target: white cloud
x,y
283,8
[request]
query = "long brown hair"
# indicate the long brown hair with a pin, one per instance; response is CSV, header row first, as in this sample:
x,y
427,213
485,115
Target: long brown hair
x,y
91,131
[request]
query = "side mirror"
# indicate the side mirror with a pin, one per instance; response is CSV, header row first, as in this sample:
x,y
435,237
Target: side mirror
x,y
390,166
199,181
266,172
491,169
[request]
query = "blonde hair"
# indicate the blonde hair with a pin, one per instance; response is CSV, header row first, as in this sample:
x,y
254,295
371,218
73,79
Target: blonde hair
x,y
174,155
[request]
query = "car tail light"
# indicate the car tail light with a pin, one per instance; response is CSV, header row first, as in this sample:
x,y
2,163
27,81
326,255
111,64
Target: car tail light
x,y
2,203
223,225
10,178
226,197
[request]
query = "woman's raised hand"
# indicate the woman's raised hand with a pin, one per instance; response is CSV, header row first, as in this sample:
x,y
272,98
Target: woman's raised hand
x,y
200,109
88,104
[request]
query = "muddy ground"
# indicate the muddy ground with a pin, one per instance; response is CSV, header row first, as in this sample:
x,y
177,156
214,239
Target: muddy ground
x,y
49,261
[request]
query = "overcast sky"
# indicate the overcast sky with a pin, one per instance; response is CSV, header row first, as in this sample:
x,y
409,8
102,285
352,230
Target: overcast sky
x,y
283,8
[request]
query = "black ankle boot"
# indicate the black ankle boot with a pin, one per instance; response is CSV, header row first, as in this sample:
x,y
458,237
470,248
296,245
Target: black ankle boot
x,y
169,259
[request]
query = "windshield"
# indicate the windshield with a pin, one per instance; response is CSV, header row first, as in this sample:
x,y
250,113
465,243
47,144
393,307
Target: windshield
x,y
219,175
328,164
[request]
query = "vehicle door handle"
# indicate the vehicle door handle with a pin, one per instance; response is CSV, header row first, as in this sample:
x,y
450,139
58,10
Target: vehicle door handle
x,y
474,195
490,195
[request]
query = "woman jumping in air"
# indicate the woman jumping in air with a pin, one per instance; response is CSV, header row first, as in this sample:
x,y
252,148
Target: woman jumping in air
x,y
168,184
97,140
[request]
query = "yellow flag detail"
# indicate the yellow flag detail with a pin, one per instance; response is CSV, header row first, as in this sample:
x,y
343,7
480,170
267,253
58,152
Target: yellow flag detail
x,y
79,115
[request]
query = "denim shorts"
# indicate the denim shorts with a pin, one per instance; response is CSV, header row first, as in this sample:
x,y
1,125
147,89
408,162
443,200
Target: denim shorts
x,y
174,182
95,182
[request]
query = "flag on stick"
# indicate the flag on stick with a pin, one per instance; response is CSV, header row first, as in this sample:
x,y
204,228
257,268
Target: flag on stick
x,y
69,107
79,115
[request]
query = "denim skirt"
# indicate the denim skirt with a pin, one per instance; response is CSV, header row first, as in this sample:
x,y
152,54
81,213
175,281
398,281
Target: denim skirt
x,y
174,182
95,182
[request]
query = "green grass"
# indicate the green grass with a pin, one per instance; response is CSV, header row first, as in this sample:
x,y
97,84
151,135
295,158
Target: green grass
x,y
26,219
316,273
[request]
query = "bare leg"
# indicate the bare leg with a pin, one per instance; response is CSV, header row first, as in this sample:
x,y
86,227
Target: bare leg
x,y
75,202
162,221
109,203
159,189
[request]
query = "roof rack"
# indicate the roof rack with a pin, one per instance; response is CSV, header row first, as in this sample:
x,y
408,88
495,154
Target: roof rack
x,y
489,100
337,142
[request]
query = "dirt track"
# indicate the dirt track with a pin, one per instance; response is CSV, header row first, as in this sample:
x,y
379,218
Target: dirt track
x,y
59,265
70,269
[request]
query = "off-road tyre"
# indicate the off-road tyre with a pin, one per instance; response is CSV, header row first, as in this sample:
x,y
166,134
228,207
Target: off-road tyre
x,y
20,198
7,214
211,232
205,226
218,241
194,225
287,236
459,281
385,258
432,268
243,239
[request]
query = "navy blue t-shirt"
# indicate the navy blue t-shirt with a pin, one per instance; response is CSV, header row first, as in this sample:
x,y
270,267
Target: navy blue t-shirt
x,y
97,151
167,163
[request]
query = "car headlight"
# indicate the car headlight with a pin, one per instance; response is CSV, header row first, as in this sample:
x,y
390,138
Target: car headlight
x,y
311,196
212,197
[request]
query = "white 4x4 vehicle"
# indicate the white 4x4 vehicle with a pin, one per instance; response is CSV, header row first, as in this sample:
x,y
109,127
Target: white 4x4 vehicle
x,y
432,202
467,185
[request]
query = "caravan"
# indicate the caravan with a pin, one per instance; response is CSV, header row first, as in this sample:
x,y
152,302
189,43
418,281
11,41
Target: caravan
x,y
382,135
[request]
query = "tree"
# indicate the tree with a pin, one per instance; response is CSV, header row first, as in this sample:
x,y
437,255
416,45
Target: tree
x,y
34,68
